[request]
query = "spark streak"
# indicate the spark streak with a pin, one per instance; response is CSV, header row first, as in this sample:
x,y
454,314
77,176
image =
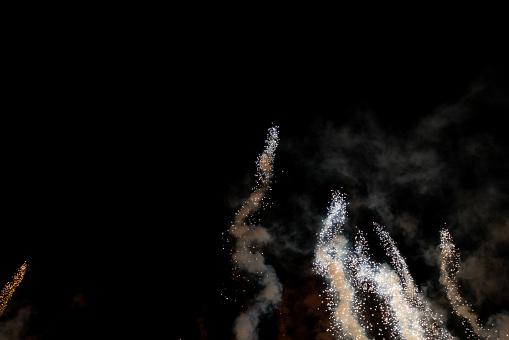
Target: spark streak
x,y
9,288
399,310
248,236
407,316
330,257
366,299
429,320
448,269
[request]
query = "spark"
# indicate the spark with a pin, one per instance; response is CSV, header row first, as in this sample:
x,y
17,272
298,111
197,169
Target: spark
x,y
428,319
448,269
9,288
330,262
407,316
367,299
248,236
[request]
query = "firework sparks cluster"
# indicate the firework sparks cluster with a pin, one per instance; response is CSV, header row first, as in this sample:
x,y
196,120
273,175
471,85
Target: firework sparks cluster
x,y
9,288
370,300
448,269
366,299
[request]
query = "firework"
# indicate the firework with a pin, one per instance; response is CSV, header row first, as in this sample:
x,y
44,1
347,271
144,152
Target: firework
x,y
331,257
393,311
429,320
448,269
248,237
9,288
367,299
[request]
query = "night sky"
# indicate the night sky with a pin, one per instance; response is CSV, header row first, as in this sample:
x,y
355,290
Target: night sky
x,y
124,171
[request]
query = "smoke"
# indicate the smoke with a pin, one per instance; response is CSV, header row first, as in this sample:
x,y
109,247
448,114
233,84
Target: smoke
x,y
330,257
407,315
355,281
446,168
448,277
14,328
248,238
412,300
499,325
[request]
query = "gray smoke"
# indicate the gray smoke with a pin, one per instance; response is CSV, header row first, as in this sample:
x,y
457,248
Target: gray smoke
x,y
450,166
14,328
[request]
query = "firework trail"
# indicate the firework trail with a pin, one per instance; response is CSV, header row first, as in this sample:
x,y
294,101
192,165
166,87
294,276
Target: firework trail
x,y
331,257
367,299
448,269
407,316
351,274
9,288
428,319
374,310
248,236
398,263
398,314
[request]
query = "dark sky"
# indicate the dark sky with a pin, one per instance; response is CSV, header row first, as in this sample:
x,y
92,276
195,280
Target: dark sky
x,y
125,165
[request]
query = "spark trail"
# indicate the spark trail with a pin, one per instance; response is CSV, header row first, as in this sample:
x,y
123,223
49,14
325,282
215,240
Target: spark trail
x,y
448,269
368,299
9,288
428,319
330,261
248,236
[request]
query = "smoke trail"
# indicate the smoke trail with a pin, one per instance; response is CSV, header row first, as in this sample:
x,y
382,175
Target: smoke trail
x,y
9,288
407,316
374,311
398,262
396,310
330,258
448,269
367,299
428,319
248,237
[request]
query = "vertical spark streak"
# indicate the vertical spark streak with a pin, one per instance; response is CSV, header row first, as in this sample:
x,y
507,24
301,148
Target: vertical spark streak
x,y
428,318
396,309
330,258
398,262
248,236
9,288
448,269
407,316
